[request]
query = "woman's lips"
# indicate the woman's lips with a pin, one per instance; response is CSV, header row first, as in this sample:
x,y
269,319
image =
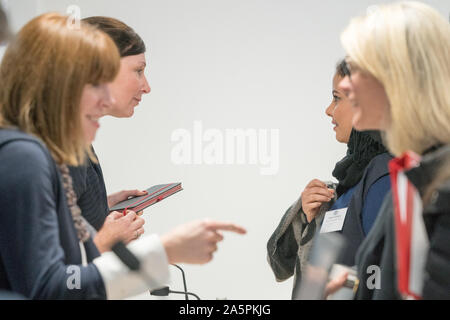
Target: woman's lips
x,y
137,101
94,121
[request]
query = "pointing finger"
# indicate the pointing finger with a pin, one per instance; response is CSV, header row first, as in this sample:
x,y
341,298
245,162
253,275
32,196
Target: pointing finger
x,y
227,226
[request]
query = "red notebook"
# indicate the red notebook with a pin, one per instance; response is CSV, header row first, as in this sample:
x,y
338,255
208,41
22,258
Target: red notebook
x,y
155,194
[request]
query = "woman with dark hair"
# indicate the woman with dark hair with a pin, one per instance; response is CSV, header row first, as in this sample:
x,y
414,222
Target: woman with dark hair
x,y
127,90
193,242
47,123
363,181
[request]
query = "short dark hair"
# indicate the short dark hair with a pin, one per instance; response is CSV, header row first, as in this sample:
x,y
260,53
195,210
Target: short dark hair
x,y
342,69
125,38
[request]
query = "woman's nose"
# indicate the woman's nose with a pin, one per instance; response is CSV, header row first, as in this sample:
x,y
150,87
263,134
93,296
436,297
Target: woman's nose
x,y
146,88
107,97
329,109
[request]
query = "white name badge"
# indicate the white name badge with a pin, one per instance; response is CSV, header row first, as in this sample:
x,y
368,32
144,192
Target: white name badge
x,y
333,220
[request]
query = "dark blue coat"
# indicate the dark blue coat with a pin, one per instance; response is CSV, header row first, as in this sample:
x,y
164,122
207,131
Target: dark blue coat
x,y
365,200
364,206
38,241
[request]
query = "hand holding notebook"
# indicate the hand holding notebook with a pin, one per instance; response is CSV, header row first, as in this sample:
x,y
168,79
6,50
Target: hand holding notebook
x,y
154,195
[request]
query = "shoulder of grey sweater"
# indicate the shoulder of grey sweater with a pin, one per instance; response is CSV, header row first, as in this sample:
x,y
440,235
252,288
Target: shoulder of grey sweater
x,y
292,215
290,218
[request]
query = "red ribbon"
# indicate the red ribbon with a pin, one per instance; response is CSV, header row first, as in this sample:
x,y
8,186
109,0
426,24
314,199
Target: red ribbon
x,y
404,195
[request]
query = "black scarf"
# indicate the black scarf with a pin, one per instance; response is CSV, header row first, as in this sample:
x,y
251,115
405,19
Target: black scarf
x,y
362,147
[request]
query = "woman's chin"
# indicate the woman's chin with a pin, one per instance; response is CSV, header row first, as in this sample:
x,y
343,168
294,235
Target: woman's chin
x,y
125,113
121,112
340,140
90,139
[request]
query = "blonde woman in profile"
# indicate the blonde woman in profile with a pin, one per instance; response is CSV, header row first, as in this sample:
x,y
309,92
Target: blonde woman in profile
x,y
54,91
399,63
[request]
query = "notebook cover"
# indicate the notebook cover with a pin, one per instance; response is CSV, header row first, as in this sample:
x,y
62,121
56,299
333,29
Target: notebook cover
x,y
155,194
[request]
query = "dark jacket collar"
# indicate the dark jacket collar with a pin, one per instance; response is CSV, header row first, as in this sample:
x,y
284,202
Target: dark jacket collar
x,y
424,174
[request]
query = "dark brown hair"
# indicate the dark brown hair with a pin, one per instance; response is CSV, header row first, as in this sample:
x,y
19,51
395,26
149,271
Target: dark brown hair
x,y
342,69
125,38
43,74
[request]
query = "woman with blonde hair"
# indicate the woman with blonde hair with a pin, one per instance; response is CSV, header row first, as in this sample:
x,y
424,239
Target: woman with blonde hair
x,y
399,62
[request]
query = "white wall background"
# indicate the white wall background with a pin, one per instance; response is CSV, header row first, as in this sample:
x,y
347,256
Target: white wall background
x,y
261,64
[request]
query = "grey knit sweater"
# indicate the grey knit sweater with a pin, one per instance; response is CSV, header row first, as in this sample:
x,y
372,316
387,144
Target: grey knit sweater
x,y
289,246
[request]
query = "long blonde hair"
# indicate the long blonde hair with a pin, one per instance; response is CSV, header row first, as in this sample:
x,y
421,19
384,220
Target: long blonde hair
x,y
406,46
42,76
